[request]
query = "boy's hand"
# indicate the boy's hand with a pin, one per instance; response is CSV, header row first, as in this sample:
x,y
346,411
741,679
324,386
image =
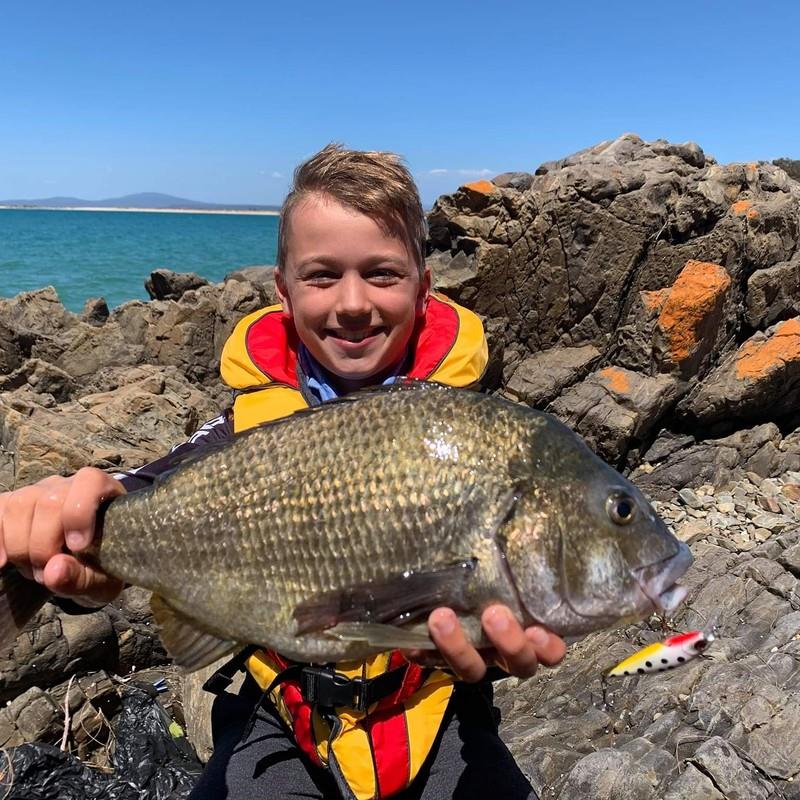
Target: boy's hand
x,y
519,652
39,522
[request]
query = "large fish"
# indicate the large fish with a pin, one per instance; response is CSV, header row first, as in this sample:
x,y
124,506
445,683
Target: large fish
x,y
331,534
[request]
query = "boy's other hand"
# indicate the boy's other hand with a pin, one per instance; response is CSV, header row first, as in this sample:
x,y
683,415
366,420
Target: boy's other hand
x,y
41,525
516,650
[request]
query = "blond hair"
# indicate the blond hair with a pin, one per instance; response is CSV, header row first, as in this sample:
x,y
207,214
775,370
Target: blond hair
x,y
375,183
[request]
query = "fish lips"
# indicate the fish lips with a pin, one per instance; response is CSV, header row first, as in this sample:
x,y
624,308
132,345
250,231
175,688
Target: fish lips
x,y
658,581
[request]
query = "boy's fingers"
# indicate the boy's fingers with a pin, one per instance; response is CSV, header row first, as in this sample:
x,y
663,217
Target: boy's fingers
x,y
17,518
66,576
47,532
89,488
459,653
515,651
550,648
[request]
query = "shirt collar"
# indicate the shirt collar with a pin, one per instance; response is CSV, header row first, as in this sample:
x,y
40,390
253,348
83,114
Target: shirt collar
x,y
319,381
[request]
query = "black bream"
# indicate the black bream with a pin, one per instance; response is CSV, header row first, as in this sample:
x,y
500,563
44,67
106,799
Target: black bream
x,y
331,534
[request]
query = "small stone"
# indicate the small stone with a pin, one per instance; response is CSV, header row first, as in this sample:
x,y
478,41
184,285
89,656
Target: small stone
x,y
727,508
689,498
771,521
768,503
791,490
754,478
769,487
761,534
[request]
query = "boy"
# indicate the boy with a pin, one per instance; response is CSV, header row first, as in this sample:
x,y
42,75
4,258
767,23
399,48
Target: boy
x,y
356,310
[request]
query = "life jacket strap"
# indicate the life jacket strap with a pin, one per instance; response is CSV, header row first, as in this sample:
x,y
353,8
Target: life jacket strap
x,y
325,688
320,686
223,677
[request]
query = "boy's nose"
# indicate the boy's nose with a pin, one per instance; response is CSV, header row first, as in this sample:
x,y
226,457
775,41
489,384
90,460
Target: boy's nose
x,y
354,297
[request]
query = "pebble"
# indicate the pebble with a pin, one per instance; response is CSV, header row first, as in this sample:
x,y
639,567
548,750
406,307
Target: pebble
x,y
689,498
791,490
739,517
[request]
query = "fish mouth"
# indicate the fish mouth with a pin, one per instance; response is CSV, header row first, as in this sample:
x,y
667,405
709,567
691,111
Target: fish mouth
x,y
658,581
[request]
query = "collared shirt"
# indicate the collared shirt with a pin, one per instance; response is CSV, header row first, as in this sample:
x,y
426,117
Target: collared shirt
x,y
318,379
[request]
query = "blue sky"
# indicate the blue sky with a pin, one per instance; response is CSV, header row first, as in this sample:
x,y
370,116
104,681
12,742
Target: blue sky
x,y
219,102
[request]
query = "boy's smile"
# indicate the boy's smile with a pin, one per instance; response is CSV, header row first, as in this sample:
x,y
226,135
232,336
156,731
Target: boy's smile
x,y
353,291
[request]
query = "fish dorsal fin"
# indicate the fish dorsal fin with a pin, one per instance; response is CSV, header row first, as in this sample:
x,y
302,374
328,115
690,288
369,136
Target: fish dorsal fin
x,y
190,647
393,600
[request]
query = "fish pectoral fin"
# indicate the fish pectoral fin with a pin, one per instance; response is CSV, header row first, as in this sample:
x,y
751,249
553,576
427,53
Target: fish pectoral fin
x,y
190,647
20,599
397,599
386,637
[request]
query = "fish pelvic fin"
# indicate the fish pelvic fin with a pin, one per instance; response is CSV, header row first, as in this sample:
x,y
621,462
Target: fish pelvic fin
x,y
381,637
397,599
20,599
190,647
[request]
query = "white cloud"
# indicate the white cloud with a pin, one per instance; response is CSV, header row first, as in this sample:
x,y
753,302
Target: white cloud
x,y
277,174
469,173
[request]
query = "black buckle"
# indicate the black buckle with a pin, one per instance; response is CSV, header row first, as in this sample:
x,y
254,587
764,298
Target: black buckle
x,y
217,683
329,689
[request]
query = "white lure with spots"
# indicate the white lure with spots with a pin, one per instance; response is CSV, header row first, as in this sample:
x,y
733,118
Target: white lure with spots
x,y
664,655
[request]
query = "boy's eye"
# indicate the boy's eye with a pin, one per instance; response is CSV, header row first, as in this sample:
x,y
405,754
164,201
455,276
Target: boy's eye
x,y
321,277
382,275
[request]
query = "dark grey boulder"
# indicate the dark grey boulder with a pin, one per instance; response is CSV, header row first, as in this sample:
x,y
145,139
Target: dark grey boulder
x,y
164,284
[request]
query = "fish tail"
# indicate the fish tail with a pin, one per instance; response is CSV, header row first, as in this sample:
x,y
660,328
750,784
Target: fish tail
x,y
20,599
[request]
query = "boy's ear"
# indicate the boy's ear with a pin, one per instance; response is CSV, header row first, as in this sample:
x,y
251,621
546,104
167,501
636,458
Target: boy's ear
x,y
424,292
280,290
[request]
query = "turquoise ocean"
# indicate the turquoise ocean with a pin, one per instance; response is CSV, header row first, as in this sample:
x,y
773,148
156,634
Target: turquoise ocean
x,y
109,254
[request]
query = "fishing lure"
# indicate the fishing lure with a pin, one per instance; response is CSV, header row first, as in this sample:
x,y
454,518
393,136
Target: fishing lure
x,y
670,653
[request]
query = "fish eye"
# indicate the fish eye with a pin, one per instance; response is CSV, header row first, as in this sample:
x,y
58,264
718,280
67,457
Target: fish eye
x,y
621,509
700,644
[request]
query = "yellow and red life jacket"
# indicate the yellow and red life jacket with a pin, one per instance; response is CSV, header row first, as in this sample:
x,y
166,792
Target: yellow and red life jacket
x,y
377,752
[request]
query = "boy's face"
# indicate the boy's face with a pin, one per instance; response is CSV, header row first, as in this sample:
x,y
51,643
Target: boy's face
x,y
353,292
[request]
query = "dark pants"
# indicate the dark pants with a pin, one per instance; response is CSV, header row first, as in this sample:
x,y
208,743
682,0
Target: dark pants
x,y
469,761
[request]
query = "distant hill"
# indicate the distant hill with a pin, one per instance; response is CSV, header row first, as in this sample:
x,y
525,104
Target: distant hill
x,y
140,200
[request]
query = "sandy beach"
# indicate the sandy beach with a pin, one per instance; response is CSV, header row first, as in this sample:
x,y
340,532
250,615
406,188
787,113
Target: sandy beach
x,y
147,210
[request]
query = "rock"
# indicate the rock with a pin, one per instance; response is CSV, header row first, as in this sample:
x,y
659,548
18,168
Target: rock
x,y
689,498
126,427
42,378
95,311
614,408
763,373
540,378
30,717
676,329
513,180
163,284
263,278
773,294
790,166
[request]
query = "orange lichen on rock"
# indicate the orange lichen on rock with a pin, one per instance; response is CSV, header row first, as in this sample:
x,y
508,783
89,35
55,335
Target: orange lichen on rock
x,y
757,359
695,295
655,300
752,214
482,187
741,206
616,379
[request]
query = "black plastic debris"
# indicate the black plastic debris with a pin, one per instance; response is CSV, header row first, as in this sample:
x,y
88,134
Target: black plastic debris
x,y
152,760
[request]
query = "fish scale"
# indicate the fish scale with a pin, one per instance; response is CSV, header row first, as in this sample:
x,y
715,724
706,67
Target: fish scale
x,y
315,534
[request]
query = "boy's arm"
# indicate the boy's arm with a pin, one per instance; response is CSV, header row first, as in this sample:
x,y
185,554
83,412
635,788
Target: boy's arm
x,y
216,430
44,525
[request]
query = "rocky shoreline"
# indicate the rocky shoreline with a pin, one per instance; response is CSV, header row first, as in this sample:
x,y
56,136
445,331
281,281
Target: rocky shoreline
x,y
643,293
